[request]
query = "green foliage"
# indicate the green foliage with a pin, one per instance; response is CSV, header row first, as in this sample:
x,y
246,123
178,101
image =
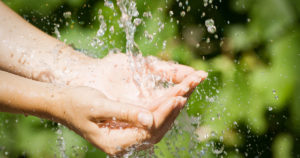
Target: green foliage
x,y
247,107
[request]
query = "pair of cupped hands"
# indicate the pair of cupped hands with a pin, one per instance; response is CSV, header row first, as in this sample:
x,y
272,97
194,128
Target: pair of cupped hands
x,y
105,106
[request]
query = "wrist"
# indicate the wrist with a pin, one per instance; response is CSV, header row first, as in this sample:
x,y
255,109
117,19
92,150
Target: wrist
x,y
69,66
56,101
47,102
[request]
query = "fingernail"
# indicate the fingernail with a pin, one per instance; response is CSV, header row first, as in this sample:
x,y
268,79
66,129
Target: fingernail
x,y
145,119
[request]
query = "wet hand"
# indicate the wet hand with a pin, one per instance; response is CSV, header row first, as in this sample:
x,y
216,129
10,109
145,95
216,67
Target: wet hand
x,y
113,77
83,108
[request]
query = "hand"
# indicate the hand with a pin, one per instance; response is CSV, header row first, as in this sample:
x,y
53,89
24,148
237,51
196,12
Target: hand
x,y
83,108
79,108
85,111
112,76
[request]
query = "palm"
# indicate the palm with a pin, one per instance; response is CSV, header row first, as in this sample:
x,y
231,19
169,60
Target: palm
x,y
114,77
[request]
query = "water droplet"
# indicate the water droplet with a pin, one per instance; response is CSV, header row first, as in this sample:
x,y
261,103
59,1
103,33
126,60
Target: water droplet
x,y
137,21
205,3
274,93
221,138
211,29
218,151
182,13
270,108
112,29
67,14
208,40
188,9
148,36
147,15
210,24
102,27
171,13
109,4
213,134
56,31
180,4
164,44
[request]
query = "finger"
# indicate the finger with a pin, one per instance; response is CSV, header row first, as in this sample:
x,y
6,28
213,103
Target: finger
x,y
182,89
97,138
165,110
185,88
116,141
111,110
167,70
166,125
188,84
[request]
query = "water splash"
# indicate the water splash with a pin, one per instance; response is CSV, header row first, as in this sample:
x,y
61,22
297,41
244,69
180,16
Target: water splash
x,y
129,20
61,142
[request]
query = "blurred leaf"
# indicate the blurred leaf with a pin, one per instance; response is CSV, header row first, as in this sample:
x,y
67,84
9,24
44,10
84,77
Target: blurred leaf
x,y
75,3
282,146
271,18
41,7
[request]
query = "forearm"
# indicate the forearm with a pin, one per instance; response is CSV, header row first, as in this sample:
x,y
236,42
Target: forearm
x,y
29,52
25,96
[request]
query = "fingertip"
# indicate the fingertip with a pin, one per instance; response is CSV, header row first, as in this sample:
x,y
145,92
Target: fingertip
x,y
181,100
197,78
183,90
194,80
164,111
202,74
146,119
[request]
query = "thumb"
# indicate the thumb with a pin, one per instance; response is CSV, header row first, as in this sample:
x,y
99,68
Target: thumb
x,y
125,112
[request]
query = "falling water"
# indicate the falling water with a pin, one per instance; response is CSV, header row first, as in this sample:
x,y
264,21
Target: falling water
x,y
129,11
61,142
129,21
142,77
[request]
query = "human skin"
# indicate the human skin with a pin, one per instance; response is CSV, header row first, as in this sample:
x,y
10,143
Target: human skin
x,y
28,97
90,93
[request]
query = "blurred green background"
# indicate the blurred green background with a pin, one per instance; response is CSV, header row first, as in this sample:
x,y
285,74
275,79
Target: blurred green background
x,y
248,106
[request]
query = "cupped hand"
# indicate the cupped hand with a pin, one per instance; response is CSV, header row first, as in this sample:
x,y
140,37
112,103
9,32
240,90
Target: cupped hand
x,y
82,109
113,76
90,114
